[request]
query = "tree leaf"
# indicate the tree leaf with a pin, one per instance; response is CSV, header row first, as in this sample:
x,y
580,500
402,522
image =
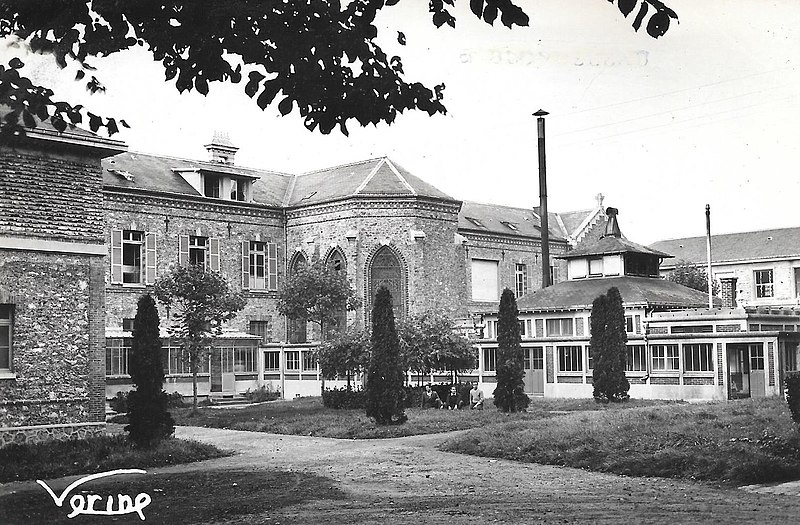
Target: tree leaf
x,y
401,38
80,74
285,106
251,88
626,6
16,63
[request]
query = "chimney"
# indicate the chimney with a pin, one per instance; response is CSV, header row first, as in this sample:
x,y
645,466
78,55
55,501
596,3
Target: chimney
x,y
221,149
728,292
612,226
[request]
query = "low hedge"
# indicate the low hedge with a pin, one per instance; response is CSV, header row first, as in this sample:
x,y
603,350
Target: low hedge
x,y
342,398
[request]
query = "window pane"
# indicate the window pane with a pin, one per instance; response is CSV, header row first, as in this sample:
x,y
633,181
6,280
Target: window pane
x,y
5,347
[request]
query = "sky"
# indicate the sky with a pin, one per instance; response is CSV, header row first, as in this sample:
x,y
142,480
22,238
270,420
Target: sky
x,y
707,114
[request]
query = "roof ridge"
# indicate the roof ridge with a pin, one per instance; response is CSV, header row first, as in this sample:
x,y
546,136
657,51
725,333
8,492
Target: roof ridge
x,y
388,161
235,166
731,233
287,197
369,177
501,206
328,168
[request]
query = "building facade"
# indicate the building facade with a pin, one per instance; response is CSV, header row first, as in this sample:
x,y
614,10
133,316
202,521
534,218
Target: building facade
x,y
52,290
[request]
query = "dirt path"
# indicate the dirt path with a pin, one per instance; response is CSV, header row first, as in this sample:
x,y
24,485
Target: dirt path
x,y
407,480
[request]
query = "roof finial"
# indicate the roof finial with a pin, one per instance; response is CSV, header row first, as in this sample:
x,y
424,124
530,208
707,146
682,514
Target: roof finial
x,y
612,226
600,198
221,149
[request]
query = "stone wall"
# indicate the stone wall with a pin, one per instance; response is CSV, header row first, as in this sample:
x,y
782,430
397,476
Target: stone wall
x,y
38,434
170,218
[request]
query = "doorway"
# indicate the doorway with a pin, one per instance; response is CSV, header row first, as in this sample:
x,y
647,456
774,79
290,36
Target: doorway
x,y
223,379
534,370
746,370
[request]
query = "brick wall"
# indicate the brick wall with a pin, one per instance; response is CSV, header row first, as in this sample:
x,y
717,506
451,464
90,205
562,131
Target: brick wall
x,y
51,194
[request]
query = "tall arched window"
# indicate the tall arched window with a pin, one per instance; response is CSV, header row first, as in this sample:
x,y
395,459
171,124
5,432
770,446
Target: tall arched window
x,y
386,270
297,327
337,263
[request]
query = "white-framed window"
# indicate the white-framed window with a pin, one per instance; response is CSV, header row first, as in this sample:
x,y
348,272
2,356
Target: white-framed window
x,y
489,359
263,329
570,358
522,332
259,265
697,357
238,190
790,356
596,266
198,248
244,358
491,329
589,359
211,185
633,324
554,274
764,283
272,361
665,357
521,280
117,354
132,256
293,360
309,361
178,360
756,356
637,358
6,337
560,326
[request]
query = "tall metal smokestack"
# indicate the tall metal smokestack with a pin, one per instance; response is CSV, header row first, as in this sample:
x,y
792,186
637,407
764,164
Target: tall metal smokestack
x,y
543,200
708,253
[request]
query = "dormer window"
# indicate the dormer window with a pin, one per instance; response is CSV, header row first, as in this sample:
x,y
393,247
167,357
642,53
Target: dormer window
x,y
509,225
596,266
476,222
211,186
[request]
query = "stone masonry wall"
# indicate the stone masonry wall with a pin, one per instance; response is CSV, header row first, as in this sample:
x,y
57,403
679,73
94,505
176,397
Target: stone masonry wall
x,y
433,263
187,217
58,351
54,195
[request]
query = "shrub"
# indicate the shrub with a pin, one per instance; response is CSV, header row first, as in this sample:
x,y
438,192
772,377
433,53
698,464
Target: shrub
x,y
175,400
792,383
262,394
119,403
342,398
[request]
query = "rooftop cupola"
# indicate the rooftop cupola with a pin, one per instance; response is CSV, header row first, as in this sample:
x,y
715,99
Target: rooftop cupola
x,y
612,226
221,149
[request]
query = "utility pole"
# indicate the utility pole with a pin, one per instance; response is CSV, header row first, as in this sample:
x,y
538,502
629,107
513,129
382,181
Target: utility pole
x,y
543,200
708,254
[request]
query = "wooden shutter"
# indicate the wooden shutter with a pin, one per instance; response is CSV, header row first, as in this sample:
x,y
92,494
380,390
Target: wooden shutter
x,y
245,265
183,254
213,253
116,256
272,261
150,258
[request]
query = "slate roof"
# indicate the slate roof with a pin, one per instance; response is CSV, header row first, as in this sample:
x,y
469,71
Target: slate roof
x,y
735,247
612,245
492,217
645,291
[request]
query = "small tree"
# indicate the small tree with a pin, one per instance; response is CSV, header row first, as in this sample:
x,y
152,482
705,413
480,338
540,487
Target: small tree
x,y
345,355
509,396
608,347
429,343
384,390
317,293
693,276
201,302
148,419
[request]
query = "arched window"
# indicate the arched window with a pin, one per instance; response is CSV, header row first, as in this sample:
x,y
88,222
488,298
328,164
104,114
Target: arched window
x,y
297,327
337,263
386,270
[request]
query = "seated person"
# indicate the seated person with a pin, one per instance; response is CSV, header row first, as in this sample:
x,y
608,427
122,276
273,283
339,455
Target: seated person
x,y
430,399
453,399
476,398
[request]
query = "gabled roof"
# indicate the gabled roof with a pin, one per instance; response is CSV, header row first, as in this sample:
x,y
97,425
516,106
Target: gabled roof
x,y
505,220
612,245
157,173
644,291
379,177
735,247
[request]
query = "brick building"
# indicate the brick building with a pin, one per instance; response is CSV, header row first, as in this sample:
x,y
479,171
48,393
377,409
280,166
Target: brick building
x,y
52,292
372,219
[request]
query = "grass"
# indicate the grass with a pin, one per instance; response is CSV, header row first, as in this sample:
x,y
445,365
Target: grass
x,y
307,416
97,454
734,443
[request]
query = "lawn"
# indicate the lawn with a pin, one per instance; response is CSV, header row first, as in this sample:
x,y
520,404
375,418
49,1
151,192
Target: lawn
x,y
307,416
98,454
735,443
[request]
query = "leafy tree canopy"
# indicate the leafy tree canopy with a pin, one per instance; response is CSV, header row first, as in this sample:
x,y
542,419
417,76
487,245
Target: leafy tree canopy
x,y
346,355
316,293
693,276
200,302
428,342
318,57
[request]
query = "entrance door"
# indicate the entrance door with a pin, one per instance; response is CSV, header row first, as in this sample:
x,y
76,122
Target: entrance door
x,y
738,371
757,384
223,379
534,371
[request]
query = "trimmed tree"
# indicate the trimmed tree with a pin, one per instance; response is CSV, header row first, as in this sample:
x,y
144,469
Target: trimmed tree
x,y
201,302
384,392
148,419
608,347
509,396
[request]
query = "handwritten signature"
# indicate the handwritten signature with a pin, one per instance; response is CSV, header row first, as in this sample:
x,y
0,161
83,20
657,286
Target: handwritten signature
x,y
85,504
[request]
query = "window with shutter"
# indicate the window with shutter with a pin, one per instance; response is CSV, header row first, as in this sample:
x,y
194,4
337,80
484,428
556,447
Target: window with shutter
x,y
116,256
150,256
213,254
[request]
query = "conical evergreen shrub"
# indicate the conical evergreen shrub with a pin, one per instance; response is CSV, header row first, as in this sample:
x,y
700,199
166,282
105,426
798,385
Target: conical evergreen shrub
x,y
384,391
608,347
509,396
148,419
